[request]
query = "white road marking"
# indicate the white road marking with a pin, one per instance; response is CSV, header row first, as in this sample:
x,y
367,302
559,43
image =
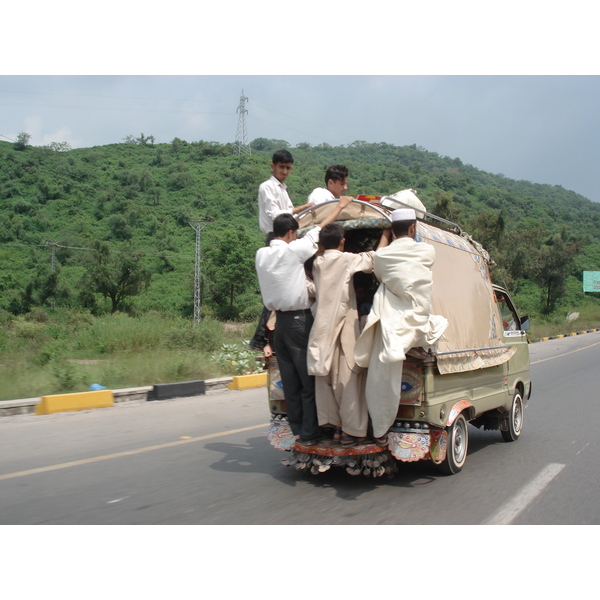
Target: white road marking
x,y
565,354
516,505
85,461
580,451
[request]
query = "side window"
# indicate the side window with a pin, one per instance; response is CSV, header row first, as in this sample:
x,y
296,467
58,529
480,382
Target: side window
x,y
510,319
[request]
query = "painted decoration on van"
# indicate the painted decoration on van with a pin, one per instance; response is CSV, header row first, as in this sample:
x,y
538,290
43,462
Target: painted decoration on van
x,y
493,329
411,384
456,410
438,445
408,447
280,435
275,385
483,270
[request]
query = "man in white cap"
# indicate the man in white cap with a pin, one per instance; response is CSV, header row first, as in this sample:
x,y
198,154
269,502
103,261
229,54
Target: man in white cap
x,y
399,320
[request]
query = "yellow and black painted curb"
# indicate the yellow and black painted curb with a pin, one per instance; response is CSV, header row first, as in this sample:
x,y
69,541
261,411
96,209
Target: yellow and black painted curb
x,y
77,401
245,382
564,335
107,398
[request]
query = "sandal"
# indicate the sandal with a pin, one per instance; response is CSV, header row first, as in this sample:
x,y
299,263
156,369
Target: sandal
x,y
348,441
382,441
337,434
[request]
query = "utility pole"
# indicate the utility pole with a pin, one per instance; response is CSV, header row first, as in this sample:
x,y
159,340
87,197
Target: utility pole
x,y
197,226
241,138
53,260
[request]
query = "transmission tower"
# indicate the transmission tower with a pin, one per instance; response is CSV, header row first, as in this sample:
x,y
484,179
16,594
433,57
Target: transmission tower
x,y
197,226
241,137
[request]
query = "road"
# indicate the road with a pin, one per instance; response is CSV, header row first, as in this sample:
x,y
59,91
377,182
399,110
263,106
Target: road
x,y
207,461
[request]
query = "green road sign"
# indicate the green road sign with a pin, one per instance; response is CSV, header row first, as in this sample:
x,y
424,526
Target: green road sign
x,y
591,281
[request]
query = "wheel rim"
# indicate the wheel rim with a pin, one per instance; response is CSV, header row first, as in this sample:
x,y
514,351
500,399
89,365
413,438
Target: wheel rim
x,y
517,414
459,441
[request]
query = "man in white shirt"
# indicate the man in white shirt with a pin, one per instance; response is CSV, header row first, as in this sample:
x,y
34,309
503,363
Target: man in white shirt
x,y
336,180
400,318
280,270
273,198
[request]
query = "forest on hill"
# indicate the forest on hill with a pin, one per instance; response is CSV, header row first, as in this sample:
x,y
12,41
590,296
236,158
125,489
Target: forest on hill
x,y
110,228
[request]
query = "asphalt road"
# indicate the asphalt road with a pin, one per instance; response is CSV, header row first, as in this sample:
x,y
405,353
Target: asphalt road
x,y
206,460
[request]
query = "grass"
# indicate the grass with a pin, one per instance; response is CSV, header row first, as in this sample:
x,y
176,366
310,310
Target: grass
x,y
51,352
588,318
54,352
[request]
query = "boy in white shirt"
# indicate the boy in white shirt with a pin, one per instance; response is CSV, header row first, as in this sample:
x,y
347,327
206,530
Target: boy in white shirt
x,y
336,180
273,200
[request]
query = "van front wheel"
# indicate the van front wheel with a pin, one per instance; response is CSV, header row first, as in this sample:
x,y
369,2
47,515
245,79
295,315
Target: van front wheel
x,y
515,419
458,443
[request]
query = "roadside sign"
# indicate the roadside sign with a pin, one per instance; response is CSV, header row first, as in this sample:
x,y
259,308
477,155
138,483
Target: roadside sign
x,y
591,281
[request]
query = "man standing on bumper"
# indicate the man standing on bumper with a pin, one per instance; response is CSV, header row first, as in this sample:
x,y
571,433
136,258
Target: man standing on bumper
x,y
280,270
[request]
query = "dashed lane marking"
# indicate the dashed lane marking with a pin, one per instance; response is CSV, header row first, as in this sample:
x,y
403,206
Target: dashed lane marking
x,y
565,354
93,459
516,505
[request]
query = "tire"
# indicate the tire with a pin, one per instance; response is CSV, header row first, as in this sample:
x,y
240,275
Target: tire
x,y
515,419
458,444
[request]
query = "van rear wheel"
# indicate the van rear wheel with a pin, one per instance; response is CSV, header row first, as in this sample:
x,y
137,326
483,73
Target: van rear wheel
x,y
515,419
458,443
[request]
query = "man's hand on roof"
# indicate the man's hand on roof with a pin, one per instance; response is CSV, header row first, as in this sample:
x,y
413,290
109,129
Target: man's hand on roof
x,y
345,201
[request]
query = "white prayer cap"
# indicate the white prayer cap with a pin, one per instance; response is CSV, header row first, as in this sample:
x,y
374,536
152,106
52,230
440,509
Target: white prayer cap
x,y
404,214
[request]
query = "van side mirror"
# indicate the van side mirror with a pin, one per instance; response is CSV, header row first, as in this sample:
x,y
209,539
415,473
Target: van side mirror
x,y
524,323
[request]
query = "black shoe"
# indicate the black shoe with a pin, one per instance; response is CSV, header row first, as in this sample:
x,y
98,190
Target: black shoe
x,y
310,442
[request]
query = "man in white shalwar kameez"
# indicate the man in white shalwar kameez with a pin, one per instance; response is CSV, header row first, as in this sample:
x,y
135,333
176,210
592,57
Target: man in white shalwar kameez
x,y
399,320
339,382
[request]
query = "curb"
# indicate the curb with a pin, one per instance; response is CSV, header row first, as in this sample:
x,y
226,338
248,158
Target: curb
x,y
574,333
245,382
25,406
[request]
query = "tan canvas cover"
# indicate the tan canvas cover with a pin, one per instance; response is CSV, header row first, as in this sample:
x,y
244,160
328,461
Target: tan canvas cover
x,y
462,292
358,215
462,288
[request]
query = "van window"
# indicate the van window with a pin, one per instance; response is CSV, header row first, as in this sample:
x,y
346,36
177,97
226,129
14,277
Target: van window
x,y
510,320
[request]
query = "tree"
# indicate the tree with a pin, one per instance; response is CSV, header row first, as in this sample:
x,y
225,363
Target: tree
x,y
550,269
22,141
268,145
230,270
58,146
116,275
445,207
142,140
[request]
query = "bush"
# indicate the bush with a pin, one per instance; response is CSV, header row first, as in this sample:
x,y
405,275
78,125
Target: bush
x,y
37,315
205,336
237,360
30,330
49,352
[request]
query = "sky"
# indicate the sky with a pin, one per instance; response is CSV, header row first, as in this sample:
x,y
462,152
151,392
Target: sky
x,y
511,89
544,129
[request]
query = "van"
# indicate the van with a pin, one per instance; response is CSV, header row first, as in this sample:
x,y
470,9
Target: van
x,y
479,373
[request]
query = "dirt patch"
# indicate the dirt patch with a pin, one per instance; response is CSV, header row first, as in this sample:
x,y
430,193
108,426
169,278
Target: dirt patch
x,y
84,362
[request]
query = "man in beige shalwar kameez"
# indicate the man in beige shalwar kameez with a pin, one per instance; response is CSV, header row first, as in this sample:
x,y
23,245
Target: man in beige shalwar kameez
x,y
399,320
339,382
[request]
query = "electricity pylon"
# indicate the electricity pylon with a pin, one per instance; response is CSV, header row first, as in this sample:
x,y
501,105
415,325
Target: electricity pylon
x,y
197,226
241,137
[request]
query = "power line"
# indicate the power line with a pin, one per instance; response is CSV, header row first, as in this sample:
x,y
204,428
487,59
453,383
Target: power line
x,y
52,244
114,108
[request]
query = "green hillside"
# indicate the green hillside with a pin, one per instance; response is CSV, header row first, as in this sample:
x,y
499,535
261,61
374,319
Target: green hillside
x,y
124,210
